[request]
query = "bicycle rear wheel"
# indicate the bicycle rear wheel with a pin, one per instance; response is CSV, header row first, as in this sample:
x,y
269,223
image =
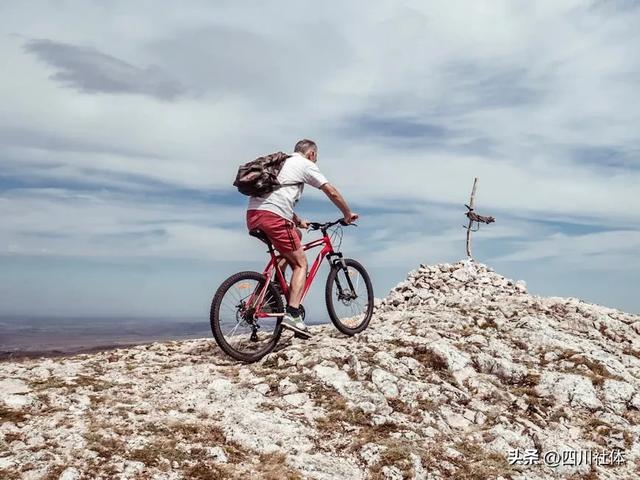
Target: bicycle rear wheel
x,y
233,321
349,297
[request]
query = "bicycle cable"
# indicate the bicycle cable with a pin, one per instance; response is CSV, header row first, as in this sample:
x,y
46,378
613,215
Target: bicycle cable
x,y
336,234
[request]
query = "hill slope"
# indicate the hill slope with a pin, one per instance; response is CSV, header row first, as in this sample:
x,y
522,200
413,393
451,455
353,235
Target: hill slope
x,y
459,367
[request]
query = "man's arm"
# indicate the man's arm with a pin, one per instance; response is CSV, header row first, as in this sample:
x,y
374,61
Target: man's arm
x,y
339,201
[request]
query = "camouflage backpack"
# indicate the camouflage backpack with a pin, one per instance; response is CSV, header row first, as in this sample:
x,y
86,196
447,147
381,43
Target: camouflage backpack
x,y
260,176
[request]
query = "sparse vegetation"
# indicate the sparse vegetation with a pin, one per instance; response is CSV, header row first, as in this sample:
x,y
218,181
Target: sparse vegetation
x,y
54,472
10,474
429,359
11,415
273,466
105,446
395,454
628,350
159,448
176,408
477,463
208,471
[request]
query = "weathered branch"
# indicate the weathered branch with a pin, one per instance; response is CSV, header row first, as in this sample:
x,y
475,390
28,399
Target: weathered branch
x,y
474,217
470,207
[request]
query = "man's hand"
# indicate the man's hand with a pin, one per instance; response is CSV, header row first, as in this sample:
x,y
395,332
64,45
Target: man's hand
x,y
300,223
350,217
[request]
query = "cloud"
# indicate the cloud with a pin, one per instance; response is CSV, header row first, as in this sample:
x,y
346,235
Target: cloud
x,y
53,141
408,103
282,67
56,222
91,71
603,250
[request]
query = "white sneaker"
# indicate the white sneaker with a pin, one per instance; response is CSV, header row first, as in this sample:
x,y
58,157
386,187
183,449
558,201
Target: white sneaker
x,y
296,325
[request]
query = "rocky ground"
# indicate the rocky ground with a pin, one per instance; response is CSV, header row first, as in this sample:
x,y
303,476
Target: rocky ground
x,y
462,374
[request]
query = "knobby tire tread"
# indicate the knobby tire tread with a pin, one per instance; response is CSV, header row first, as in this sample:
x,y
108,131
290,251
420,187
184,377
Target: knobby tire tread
x,y
215,319
329,299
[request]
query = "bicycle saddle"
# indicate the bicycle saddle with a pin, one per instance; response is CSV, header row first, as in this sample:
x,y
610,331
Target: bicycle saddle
x,y
260,235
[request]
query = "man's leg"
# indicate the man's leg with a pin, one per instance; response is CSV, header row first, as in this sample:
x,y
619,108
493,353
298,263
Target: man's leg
x,y
298,262
284,262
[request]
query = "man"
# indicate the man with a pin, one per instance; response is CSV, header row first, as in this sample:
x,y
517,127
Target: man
x,y
274,215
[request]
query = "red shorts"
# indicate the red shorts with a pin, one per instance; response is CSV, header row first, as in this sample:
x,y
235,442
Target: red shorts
x,y
282,232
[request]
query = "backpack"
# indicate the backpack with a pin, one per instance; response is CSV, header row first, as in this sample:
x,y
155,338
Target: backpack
x,y
260,176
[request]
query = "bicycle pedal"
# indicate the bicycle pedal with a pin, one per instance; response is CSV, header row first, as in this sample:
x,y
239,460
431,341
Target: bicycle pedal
x,y
300,336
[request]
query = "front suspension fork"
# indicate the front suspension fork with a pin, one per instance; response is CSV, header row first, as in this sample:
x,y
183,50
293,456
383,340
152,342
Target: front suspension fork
x,y
340,263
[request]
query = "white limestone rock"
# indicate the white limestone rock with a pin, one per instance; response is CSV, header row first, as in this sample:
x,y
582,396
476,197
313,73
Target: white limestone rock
x,y
386,382
454,358
456,353
617,394
576,390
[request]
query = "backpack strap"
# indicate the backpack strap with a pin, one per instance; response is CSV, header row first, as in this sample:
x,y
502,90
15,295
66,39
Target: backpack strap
x,y
288,185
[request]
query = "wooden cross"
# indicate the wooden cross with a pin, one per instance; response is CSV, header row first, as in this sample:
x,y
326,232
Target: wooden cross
x,y
474,217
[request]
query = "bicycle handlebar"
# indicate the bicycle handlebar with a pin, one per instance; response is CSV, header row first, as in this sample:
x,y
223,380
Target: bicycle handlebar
x,y
324,226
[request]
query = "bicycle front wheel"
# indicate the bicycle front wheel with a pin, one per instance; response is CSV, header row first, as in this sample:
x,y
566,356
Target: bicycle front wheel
x,y
349,297
234,323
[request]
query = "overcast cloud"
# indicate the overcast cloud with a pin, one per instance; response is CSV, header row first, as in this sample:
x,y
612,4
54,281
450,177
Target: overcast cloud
x,y
122,126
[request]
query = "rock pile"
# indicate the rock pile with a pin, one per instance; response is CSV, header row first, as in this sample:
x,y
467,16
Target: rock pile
x,y
462,282
462,374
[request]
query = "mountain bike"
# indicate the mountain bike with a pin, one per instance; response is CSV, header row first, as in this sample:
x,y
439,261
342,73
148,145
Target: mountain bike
x,y
247,309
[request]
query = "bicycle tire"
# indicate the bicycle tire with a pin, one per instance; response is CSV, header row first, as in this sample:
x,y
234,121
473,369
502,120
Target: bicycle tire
x,y
214,317
329,299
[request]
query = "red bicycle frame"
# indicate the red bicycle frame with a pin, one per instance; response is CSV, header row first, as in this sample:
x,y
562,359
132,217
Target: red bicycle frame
x,y
274,266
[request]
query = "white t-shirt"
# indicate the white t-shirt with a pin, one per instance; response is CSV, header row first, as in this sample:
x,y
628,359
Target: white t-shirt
x,y
296,169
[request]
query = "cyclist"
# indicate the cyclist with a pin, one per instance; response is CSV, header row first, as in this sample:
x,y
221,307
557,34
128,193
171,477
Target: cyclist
x,y
274,215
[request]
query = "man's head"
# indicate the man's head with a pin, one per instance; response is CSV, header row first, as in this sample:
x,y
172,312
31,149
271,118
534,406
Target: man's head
x,y
308,149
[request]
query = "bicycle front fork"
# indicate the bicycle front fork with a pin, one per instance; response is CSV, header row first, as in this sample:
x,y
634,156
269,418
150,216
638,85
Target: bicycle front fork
x,y
339,262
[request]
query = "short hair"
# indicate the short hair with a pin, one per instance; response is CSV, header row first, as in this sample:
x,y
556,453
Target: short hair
x,y
304,145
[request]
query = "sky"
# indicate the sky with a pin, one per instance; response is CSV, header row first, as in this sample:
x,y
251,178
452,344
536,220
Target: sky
x,y
122,125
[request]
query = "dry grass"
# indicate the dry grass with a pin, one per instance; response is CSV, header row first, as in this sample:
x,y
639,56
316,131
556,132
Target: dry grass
x,y
429,359
371,434
105,446
592,474
273,466
158,449
601,432
54,472
351,416
523,384
522,345
10,474
488,323
397,455
10,437
10,415
631,351
594,370
96,384
535,401
339,413
49,383
582,365
206,471
400,406
476,463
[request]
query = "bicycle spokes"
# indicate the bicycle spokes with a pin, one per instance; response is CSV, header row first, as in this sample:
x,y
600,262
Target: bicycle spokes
x,y
351,294
240,326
